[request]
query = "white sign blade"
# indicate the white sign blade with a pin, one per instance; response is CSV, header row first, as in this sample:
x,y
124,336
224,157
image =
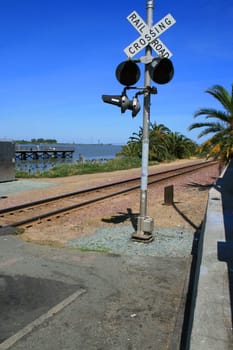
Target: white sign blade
x,y
136,46
165,23
149,35
137,22
156,45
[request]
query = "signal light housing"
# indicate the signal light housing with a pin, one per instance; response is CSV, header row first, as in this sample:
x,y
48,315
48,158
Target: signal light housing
x,y
123,102
161,70
135,106
128,73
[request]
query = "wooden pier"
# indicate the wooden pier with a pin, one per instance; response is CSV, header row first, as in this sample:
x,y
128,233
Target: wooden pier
x,y
44,153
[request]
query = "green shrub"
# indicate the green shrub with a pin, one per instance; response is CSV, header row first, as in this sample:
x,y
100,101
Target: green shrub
x,y
62,170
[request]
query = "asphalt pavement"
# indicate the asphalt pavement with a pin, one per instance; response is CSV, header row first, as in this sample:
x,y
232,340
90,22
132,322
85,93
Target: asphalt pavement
x,y
54,298
22,185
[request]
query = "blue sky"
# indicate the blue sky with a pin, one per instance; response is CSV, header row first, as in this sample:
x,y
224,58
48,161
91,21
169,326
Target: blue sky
x,y
57,57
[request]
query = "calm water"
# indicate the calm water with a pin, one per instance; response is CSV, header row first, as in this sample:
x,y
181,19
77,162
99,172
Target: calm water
x,y
99,152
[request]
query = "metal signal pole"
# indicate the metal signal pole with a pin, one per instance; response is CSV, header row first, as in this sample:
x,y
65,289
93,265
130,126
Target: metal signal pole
x,y
144,223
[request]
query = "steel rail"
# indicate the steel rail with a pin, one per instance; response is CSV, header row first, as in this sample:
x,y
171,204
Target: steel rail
x,y
97,188
193,168
179,172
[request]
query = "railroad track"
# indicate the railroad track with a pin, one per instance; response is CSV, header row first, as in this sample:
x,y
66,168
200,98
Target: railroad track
x,y
25,214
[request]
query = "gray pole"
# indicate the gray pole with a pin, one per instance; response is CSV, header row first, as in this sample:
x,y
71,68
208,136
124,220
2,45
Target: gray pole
x,y
144,223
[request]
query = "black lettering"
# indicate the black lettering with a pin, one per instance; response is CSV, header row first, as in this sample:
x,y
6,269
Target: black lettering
x,y
142,41
131,50
168,21
147,37
136,46
132,17
159,47
136,22
154,42
152,33
141,27
162,26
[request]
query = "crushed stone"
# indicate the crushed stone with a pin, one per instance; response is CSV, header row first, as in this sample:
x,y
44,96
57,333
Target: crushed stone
x,y
172,242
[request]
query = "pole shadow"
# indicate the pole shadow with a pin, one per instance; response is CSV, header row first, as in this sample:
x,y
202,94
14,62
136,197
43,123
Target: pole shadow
x,y
184,216
201,187
122,217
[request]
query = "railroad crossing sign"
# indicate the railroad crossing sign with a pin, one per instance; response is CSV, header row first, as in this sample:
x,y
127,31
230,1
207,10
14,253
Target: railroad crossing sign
x,y
149,36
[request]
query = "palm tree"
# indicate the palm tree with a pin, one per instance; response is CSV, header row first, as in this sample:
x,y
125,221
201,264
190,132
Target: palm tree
x,y
131,150
220,145
134,146
158,142
180,146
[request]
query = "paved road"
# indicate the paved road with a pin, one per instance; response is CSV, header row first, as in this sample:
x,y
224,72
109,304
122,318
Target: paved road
x,y
64,299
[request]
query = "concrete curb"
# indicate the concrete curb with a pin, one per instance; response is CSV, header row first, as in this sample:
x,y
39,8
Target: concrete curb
x,y
211,327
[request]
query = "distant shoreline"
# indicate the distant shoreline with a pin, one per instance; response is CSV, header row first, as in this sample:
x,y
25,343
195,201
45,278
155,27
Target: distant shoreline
x,y
68,143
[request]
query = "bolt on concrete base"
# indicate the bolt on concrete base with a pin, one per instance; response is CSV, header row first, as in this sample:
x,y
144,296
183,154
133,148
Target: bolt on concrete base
x,y
142,237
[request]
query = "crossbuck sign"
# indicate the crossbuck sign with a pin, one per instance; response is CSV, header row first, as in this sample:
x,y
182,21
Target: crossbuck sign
x,y
149,36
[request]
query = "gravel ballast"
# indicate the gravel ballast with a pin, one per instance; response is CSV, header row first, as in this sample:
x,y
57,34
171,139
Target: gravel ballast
x,y
172,242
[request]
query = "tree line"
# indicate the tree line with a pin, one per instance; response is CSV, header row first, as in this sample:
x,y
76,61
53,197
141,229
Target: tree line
x,y
163,144
36,141
167,145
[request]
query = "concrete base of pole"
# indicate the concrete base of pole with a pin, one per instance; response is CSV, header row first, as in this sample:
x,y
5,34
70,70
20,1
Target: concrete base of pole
x,y
144,230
